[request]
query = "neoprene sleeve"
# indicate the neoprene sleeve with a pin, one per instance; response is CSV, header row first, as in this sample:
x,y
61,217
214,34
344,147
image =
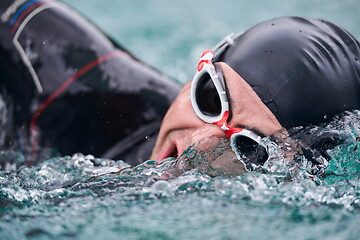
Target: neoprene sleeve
x,y
67,86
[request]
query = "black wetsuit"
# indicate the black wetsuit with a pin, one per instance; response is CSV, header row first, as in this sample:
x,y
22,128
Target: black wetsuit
x,y
66,86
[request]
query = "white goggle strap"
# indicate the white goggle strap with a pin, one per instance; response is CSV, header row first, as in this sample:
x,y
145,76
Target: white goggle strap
x,y
224,44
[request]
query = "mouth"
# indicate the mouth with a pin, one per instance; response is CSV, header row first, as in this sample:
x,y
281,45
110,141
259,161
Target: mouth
x,y
176,148
169,151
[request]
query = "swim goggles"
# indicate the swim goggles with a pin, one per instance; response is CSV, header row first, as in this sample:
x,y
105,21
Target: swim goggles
x,y
210,102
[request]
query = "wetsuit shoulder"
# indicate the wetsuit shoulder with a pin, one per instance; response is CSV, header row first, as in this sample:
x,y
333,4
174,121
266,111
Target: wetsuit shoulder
x,y
72,88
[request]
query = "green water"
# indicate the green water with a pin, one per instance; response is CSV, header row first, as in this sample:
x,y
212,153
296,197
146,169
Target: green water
x,y
81,197
171,35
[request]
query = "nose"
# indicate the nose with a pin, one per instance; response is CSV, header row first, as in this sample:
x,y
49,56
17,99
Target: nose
x,y
196,135
206,132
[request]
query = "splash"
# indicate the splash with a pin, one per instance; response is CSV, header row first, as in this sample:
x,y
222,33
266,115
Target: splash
x,y
81,197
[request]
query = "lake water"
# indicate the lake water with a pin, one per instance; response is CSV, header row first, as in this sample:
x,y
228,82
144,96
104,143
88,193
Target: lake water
x,y
171,35
82,197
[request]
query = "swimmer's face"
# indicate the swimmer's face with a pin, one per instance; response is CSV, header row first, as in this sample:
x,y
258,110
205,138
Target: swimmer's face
x,y
182,128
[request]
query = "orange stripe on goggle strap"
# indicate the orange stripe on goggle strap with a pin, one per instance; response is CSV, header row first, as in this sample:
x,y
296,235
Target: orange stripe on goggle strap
x,y
229,131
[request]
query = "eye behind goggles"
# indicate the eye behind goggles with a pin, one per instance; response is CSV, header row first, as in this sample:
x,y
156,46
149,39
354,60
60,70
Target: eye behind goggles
x,y
208,93
210,102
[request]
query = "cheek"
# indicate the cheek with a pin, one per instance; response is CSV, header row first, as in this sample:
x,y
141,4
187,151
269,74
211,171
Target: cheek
x,y
179,123
229,164
181,114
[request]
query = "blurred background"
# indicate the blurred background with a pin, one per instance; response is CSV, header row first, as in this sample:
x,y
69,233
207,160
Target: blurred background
x,y
171,35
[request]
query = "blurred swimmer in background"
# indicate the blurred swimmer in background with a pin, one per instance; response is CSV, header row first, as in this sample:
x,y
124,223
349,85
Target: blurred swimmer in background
x,y
66,87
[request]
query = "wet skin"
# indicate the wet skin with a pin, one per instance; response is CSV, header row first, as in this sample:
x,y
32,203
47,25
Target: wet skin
x,y
182,128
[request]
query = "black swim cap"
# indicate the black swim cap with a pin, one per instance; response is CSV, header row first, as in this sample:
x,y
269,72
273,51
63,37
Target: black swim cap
x,y
305,70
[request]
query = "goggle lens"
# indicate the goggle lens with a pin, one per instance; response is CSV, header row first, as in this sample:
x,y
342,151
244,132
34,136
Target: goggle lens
x,y
210,103
207,97
250,152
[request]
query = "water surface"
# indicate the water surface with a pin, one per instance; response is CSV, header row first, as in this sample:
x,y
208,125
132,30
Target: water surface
x,y
82,197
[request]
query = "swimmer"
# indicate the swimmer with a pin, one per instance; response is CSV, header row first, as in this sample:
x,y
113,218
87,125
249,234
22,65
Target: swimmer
x,y
65,86
280,74
63,89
